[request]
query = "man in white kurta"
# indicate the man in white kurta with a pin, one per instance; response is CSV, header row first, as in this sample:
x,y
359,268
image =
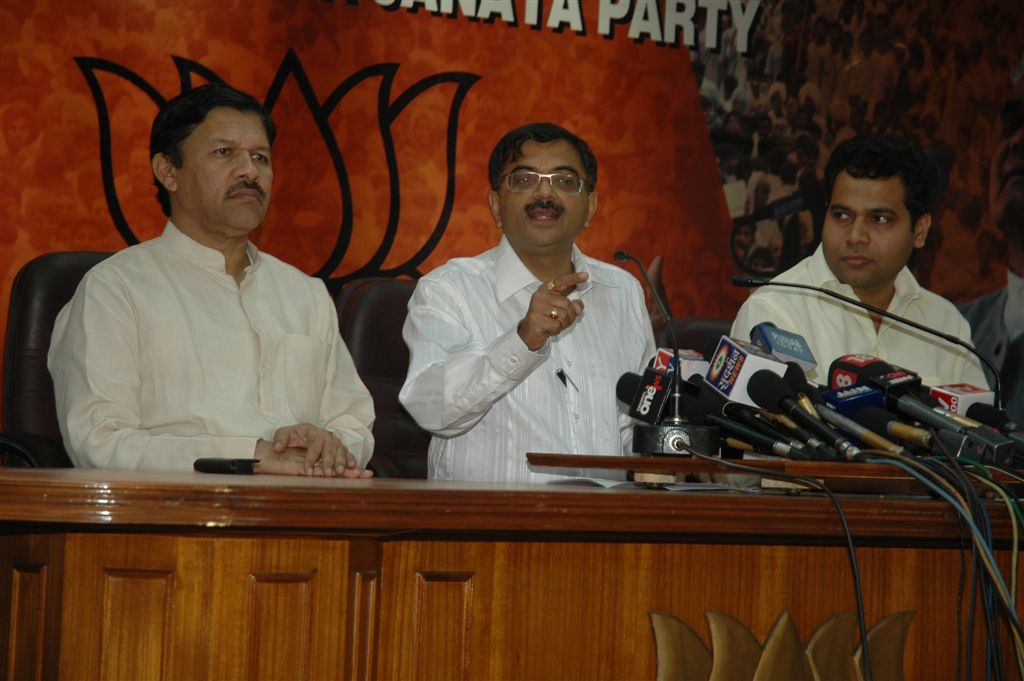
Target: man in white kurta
x,y
881,191
833,328
519,349
161,358
195,344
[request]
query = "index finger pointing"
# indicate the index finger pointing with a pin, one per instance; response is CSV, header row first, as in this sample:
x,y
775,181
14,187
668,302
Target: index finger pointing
x,y
566,282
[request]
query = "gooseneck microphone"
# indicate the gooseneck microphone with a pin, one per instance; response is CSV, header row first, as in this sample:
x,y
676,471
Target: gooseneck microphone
x,y
675,416
756,282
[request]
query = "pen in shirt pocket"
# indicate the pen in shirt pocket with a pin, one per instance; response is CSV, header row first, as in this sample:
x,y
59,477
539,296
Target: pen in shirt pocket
x,y
566,379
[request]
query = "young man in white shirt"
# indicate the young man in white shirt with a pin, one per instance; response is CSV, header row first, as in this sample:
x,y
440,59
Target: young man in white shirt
x,y
881,192
195,344
519,349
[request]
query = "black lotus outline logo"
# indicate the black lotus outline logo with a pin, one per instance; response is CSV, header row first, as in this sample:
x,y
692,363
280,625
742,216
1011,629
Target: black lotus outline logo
x,y
388,110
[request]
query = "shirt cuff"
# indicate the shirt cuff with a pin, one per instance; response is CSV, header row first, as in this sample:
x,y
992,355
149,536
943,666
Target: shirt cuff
x,y
511,358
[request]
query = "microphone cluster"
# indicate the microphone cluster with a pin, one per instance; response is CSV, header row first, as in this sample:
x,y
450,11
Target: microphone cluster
x,y
755,396
763,400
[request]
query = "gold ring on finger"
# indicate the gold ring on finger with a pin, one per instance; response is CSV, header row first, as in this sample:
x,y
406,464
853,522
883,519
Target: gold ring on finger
x,y
550,285
553,314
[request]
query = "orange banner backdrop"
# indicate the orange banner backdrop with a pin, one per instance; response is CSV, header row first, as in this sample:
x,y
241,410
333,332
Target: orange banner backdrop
x,y
386,120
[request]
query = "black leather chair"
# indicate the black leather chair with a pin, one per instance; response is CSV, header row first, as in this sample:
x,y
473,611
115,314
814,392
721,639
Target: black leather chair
x,y
371,313
696,333
31,436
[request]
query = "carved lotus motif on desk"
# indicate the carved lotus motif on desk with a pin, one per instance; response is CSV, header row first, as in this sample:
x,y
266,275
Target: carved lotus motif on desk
x,y
831,654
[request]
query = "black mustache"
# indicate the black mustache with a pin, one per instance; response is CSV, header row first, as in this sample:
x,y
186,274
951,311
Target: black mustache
x,y
544,205
247,184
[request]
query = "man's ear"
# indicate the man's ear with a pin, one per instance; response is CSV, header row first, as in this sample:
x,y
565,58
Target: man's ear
x,y
492,201
165,172
921,227
591,208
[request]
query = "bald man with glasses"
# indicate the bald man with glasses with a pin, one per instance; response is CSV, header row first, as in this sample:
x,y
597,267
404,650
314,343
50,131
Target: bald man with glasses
x,y
519,349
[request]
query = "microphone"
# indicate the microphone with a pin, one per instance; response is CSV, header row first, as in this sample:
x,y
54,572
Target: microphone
x,y
994,417
732,365
816,401
958,397
865,435
755,282
848,401
796,379
930,400
675,413
691,362
772,392
647,395
706,408
881,421
704,395
998,419
901,388
784,345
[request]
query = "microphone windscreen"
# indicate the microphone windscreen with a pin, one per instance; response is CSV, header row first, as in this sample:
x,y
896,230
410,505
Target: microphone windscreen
x,y
795,378
768,389
626,387
851,370
990,415
874,418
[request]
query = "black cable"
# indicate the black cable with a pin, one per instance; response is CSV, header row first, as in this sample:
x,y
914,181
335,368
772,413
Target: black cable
x,y
987,582
991,596
850,550
954,474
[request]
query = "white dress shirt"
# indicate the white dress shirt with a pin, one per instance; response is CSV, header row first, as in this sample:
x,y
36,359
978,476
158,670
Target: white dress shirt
x,y
161,358
833,328
487,398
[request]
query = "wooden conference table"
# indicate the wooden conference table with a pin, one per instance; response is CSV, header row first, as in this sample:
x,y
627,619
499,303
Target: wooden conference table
x,y
131,575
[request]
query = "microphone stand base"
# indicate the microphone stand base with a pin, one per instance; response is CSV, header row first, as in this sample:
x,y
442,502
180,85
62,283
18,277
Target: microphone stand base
x,y
675,440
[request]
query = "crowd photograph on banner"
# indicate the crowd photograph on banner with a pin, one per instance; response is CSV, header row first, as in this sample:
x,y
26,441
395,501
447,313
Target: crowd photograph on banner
x,y
820,73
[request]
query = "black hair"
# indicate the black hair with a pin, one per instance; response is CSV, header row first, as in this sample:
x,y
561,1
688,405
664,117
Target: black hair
x,y
510,147
877,157
182,114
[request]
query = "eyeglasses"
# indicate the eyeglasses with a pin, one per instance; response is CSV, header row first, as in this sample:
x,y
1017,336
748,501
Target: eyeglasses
x,y
528,180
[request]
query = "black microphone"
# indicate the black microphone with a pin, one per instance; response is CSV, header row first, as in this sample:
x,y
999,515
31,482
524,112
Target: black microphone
x,y
755,282
902,390
654,438
675,416
998,419
704,394
994,417
706,407
770,391
645,395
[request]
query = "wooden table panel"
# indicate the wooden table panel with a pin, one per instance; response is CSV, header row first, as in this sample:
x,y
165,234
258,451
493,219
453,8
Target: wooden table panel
x,y
150,575
31,581
581,610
